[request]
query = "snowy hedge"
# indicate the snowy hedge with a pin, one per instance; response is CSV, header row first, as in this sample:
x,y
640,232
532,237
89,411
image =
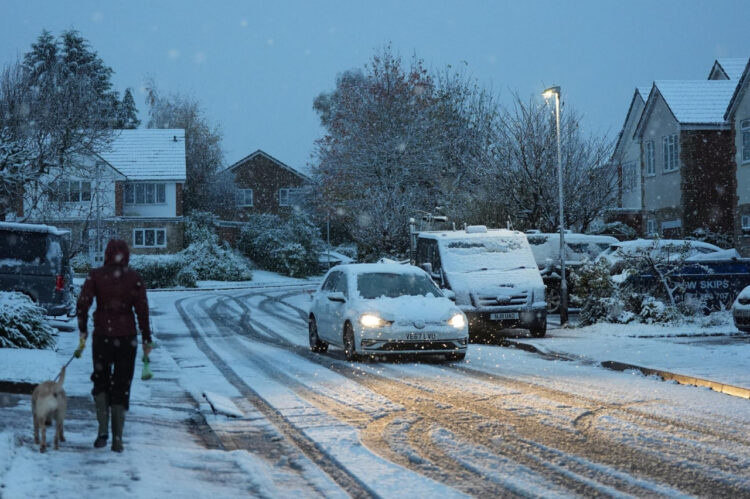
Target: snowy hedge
x,y
290,247
22,323
159,271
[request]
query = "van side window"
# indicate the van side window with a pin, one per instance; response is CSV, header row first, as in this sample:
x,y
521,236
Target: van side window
x,y
434,256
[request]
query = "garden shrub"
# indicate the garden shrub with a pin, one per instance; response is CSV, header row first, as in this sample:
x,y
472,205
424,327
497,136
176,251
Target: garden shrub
x,y
158,271
22,323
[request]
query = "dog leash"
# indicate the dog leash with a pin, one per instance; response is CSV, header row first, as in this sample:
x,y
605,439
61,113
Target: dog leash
x,y
76,355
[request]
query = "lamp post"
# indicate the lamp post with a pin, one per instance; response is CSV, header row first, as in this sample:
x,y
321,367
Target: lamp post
x,y
555,91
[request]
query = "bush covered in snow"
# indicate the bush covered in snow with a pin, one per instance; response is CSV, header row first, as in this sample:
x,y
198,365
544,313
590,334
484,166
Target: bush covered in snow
x,y
214,260
22,323
289,247
159,271
81,263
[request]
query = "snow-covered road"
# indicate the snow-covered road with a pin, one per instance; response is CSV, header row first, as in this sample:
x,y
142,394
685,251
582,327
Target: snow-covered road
x,y
505,422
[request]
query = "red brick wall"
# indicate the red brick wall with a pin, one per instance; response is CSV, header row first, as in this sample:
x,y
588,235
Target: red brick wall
x,y
178,199
709,180
119,191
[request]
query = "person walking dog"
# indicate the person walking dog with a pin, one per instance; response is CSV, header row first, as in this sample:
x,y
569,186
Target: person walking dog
x,y
119,290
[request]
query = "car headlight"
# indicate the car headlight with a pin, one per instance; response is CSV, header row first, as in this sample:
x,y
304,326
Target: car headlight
x,y
458,321
372,320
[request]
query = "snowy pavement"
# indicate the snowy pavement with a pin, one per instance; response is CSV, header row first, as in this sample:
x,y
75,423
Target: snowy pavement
x,y
505,422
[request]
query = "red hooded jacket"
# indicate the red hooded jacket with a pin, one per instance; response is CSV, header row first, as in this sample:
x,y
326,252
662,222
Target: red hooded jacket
x,y
118,290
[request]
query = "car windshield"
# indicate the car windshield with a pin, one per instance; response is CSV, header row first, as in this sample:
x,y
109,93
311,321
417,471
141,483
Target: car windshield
x,y
480,254
380,284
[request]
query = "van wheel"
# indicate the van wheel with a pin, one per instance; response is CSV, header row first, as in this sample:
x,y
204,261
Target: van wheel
x,y
350,350
539,331
316,345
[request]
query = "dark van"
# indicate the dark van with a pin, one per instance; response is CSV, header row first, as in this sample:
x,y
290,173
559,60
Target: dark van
x,y
34,260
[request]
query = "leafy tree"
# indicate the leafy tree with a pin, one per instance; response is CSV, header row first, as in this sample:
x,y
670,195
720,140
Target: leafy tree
x,y
398,141
202,144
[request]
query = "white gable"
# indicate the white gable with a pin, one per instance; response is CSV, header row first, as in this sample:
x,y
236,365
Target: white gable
x,y
731,68
697,101
148,154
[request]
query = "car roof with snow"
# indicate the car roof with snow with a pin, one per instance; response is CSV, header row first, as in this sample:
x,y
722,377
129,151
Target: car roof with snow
x,y
23,227
389,268
659,243
471,232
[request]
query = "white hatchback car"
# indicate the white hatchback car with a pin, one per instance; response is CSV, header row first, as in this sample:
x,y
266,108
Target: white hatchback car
x,y
380,309
741,310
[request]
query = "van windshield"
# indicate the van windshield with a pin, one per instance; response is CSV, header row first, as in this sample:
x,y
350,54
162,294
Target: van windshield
x,y
480,254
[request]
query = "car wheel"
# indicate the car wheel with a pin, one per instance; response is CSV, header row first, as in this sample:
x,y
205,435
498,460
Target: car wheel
x,y
350,350
456,356
539,331
553,300
316,345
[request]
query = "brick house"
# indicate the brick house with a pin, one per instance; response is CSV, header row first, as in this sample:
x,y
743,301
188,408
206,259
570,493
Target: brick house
x,y
738,116
262,184
681,143
132,191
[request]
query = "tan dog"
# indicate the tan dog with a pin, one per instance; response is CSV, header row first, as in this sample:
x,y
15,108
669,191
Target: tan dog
x,y
47,400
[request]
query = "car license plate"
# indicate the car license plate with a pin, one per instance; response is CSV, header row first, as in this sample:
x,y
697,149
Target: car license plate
x,y
420,336
501,316
742,313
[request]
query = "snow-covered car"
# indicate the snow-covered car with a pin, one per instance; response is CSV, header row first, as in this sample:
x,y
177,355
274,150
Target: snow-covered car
x,y
741,310
662,248
493,275
328,259
381,309
578,248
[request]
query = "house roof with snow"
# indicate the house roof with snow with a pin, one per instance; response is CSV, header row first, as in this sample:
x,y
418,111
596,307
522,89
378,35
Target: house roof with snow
x,y
728,68
739,92
640,94
148,154
693,103
264,154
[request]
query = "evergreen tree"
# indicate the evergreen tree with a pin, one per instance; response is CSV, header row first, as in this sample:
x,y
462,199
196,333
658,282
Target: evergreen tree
x,y
127,112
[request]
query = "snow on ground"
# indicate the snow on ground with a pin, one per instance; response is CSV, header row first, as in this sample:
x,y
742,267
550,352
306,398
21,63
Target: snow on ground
x,y
710,348
163,456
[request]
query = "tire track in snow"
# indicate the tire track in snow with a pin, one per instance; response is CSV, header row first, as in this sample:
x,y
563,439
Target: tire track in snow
x,y
330,466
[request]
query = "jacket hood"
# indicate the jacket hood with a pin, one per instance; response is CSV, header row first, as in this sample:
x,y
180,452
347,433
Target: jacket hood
x,y
117,253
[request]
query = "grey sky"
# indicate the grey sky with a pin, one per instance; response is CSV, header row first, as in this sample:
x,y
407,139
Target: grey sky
x,y
257,66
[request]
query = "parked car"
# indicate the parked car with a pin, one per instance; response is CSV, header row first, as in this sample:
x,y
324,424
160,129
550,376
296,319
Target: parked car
x,y
493,274
663,248
382,309
328,259
741,310
34,260
578,248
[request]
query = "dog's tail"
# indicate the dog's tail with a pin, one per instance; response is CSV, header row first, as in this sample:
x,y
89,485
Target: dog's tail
x,y
61,376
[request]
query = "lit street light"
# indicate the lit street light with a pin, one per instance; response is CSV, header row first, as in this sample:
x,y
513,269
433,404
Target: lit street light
x,y
563,282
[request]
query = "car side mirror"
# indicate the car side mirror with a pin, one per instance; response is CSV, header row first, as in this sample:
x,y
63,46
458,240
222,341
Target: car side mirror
x,y
449,294
337,296
427,267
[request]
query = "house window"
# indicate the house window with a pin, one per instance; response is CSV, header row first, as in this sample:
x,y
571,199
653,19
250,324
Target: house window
x,y
671,155
628,177
72,191
651,227
149,238
244,197
144,193
649,149
745,130
745,223
289,196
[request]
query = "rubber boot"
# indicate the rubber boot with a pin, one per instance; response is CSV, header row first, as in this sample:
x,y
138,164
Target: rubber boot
x,y
118,421
102,416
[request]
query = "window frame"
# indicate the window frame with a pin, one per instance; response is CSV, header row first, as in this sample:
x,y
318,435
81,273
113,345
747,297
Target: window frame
x,y
241,199
83,190
745,140
670,153
652,228
285,193
650,158
745,227
629,180
143,237
132,191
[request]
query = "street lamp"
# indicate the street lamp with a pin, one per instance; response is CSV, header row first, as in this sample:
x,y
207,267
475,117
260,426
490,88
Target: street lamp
x,y
563,282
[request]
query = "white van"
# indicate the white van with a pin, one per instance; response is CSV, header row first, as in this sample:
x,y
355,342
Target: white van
x,y
492,273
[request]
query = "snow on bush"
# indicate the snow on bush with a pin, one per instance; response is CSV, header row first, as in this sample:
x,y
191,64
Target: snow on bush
x,y
22,323
289,247
81,263
214,260
159,271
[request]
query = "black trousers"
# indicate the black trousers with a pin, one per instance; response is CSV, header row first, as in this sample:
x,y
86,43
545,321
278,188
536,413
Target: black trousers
x,y
114,364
